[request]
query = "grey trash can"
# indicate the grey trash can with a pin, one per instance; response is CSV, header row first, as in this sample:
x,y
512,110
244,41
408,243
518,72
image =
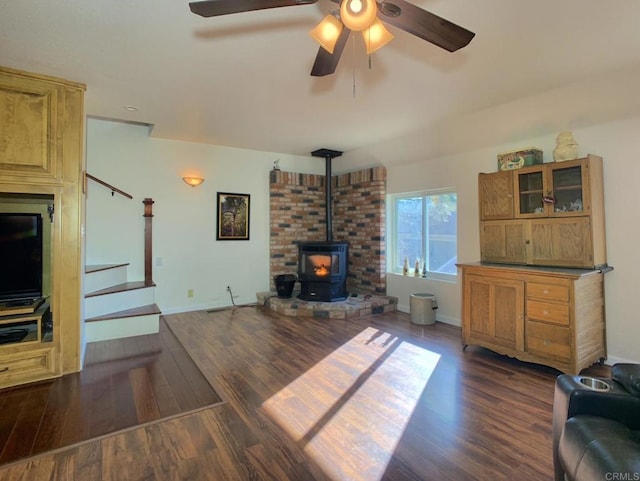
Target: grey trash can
x,y
423,308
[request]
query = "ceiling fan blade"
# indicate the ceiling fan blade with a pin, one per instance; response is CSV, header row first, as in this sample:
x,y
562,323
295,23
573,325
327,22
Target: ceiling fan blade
x,y
213,8
425,25
326,63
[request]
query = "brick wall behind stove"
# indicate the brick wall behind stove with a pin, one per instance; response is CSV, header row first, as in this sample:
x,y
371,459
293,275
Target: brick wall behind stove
x,y
359,217
298,213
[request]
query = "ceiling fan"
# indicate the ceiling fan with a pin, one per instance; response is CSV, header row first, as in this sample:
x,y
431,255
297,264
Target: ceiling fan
x,y
355,15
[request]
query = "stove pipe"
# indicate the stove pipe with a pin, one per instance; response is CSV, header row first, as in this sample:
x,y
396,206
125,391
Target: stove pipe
x,y
328,155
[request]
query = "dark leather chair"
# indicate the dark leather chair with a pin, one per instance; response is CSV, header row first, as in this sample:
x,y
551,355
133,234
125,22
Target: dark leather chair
x,y
596,426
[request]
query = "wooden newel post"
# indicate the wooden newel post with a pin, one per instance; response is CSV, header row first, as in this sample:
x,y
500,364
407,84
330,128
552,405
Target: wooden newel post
x,y
148,230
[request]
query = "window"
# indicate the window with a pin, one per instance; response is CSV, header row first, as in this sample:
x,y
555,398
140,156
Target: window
x,y
423,226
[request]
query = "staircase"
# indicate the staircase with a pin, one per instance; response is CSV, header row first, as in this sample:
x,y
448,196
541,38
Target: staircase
x,y
116,308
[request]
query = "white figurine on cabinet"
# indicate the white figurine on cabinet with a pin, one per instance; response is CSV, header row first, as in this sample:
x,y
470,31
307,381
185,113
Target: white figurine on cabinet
x,y
566,147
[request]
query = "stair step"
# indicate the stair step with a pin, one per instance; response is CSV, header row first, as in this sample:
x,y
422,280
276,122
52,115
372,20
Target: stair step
x,y
128,295
102,267
121,327
126,286
134,312
98,277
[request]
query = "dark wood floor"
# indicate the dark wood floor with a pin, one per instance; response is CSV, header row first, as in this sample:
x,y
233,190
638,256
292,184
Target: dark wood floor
x,y
328,400
125,383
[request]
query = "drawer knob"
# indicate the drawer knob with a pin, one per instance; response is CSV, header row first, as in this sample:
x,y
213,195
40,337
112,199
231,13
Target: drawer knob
x,y
546,342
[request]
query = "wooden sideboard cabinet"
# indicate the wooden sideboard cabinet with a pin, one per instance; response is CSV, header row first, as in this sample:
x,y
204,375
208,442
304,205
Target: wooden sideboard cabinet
x,y
41,167
546,315
548,215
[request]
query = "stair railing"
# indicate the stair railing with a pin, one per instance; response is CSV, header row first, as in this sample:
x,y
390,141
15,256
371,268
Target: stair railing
x,y
148,225
108,186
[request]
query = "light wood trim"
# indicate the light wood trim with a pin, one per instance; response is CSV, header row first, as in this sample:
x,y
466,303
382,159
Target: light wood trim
x,y
596,193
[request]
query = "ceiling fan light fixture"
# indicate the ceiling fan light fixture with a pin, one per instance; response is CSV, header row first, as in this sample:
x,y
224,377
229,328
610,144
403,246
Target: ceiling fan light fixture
x,y
326,33
376,36
358,15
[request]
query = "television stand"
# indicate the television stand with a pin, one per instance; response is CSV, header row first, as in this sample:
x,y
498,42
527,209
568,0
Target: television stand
x,y
20,306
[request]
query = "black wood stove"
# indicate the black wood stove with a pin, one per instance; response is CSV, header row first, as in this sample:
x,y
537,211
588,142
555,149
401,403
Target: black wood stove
x,y
322,271
323,266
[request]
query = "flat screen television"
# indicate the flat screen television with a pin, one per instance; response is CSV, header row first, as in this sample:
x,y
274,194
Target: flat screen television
x,y
20,256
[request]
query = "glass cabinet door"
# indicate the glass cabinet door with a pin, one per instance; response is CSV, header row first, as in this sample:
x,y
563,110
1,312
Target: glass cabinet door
x,y
531,190
567,189
555,189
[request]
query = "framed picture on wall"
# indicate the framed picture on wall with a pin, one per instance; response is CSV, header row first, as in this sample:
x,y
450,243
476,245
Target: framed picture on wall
x,y
233,216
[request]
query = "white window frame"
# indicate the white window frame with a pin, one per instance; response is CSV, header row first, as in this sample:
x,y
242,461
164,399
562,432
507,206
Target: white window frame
x,y
392,243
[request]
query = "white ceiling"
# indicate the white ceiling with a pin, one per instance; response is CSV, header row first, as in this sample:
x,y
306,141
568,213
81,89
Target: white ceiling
x,y
243,80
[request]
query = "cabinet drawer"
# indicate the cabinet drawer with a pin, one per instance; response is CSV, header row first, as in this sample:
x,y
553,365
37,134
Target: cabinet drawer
x,y
548,291
556,313
26,366
550,341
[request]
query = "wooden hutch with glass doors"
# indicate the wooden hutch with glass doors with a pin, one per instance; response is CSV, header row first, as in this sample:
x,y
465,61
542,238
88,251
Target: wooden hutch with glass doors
x,y
537,293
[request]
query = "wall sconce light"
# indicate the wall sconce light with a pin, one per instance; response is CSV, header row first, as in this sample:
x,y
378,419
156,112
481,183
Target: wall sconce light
x,y
193,181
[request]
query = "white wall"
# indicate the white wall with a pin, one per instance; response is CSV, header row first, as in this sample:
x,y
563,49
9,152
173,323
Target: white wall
x,y
412,165
185,251
603,113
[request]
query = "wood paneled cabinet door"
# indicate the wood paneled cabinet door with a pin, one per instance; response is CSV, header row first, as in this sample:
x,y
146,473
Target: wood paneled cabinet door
x,y
496,195
33,119
493,313
503,241
561,242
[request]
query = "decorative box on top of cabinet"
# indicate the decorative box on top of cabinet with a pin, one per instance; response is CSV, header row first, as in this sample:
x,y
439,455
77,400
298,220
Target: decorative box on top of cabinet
x,y
551,316
557,215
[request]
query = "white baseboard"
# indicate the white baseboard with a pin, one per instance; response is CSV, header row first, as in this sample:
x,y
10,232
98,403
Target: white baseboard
x,y
611,360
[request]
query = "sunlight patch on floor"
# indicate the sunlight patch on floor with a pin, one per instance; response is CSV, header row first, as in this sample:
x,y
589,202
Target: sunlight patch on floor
x,y
350,410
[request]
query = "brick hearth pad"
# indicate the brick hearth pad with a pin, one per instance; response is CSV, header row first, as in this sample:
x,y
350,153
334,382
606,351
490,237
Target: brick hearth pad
x,y
351,308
